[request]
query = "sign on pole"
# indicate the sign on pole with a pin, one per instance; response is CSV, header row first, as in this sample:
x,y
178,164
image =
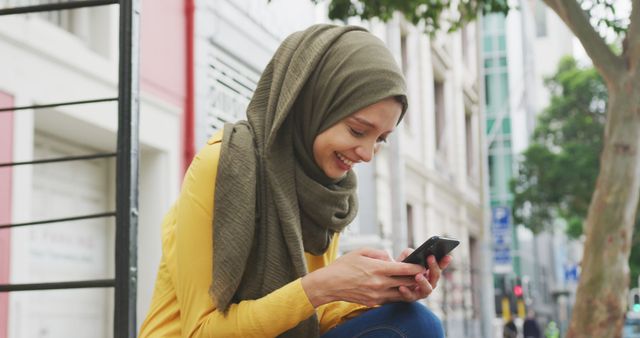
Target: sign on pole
x,y
501,231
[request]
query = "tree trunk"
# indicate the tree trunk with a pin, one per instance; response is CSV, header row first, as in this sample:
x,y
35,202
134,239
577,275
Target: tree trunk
x,y
601,300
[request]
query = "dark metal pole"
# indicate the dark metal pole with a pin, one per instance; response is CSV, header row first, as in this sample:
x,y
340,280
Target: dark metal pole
x,y
57,220
59,159
127,172
56,6
97,283
59,104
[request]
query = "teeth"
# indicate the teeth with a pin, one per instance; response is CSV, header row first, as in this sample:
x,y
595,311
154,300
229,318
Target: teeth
x,y
345,160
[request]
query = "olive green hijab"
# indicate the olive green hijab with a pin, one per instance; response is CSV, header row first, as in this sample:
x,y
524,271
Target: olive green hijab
x,y
272,201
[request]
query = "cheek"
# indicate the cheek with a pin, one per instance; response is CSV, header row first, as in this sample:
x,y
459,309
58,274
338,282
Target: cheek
x,y
318,150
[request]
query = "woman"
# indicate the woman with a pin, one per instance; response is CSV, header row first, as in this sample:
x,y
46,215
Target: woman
x,y
281,188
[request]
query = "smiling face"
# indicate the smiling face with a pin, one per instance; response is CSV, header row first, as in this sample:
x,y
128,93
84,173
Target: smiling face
x,y
355,138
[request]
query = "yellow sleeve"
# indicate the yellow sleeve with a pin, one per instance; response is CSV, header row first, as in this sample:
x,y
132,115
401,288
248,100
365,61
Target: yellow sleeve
x,y
334,313
268,316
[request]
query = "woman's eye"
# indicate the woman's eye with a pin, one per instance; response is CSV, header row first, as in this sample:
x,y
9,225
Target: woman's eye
x,y
356,132
382,140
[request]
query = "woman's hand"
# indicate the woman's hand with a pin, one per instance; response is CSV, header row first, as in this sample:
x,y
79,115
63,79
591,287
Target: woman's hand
x,y
365,276
426,281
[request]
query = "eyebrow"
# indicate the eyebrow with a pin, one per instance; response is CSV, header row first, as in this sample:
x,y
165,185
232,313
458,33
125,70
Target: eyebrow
x,y
369,124
365,122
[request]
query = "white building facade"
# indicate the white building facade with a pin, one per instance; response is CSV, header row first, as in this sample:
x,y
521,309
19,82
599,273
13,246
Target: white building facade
x,y
427,181
55,57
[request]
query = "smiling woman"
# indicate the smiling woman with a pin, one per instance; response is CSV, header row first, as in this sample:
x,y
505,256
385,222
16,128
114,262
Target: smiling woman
x,y
282,189
356,138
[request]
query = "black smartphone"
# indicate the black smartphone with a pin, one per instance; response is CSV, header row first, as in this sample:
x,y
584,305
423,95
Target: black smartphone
x,y
438,246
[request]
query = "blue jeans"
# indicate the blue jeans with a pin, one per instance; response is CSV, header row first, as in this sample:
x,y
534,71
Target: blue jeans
x,y
391,320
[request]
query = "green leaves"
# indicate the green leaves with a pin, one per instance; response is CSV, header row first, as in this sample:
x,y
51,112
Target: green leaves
x,y
432,15
559,169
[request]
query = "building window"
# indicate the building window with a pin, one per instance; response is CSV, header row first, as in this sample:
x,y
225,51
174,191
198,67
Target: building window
x,y
465,47
492,173
469,138
541,19
404,53
63,19
440,123
93,26
475,277
410,227
229,87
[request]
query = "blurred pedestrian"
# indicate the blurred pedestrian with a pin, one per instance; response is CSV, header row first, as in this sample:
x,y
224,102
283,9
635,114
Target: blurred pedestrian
x,y
282,188
530,327
510,329
552,330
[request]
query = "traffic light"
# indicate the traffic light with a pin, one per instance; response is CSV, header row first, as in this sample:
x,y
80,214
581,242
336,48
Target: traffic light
x,y
517,290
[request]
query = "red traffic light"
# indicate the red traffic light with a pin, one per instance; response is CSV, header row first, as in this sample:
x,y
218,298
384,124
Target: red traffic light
x,y
517,290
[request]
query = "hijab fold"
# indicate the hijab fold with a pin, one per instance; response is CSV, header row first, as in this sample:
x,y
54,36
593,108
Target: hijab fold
x,y
272,201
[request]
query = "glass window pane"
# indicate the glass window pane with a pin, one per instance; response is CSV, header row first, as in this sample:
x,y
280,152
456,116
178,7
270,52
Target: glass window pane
x,y
503,84
490,123
488,63
492,172
487,91
500,20
508,167
506,126
63,313
502,43
488,43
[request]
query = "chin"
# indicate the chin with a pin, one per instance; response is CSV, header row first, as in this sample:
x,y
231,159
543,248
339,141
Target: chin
x,y
337,176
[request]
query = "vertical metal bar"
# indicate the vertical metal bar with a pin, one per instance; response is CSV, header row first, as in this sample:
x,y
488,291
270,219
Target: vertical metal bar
x,y
127,172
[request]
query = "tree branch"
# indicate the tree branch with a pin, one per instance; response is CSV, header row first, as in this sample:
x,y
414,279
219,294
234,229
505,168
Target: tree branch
x,y
610,66
632,40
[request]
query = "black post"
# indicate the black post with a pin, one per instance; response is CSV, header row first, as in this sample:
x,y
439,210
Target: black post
x,y
127,172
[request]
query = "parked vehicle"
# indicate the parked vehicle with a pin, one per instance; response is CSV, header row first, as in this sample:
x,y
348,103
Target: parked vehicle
x,y
631,327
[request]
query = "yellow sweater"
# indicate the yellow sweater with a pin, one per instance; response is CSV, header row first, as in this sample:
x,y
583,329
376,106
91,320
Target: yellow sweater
x,y
181,305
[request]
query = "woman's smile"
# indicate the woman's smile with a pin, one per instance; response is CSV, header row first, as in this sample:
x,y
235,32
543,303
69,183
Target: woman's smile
x,y
343,162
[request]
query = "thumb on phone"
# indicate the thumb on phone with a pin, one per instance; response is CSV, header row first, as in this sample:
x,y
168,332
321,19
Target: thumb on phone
x,y
404,254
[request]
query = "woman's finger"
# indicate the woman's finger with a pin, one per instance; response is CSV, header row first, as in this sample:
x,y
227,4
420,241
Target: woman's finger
x,y
434,271
444,262
422,290
376,253
408,294
399,269
397,281
424,286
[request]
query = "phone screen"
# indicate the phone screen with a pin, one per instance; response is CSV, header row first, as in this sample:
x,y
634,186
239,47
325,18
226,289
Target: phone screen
x,y
438,246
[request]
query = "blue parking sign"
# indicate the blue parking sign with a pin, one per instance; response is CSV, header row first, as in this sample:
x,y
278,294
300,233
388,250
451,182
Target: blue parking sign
x,y
501,233
500,217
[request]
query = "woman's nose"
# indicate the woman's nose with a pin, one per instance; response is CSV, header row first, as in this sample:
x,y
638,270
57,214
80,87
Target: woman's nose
x,y
366,151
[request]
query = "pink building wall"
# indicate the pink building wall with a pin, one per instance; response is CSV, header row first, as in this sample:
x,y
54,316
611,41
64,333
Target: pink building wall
x,y
166,60
163,50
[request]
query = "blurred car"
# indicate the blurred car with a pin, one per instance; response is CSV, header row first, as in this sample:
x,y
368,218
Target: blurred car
x,y
631,327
